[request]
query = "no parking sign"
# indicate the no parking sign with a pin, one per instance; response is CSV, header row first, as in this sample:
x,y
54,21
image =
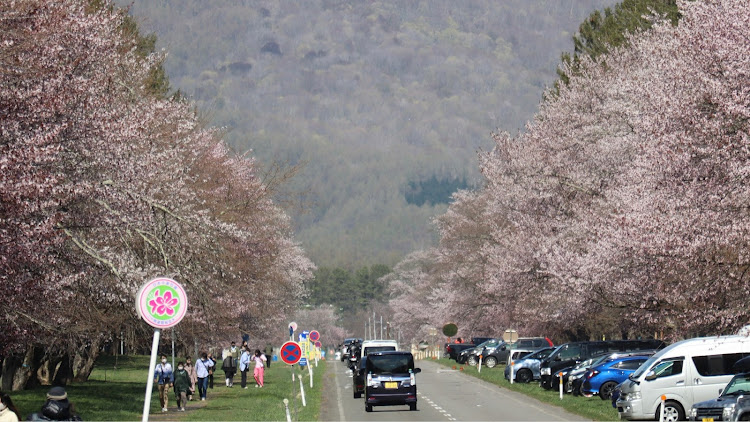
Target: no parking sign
x,y
290,352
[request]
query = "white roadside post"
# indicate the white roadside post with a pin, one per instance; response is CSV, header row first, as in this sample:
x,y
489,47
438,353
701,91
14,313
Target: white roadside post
x,y
286,406
512,363
560,374
310,370
479,364
302,389
162,303
662,414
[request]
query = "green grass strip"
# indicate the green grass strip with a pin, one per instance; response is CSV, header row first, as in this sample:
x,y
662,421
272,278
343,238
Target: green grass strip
x,y
116,389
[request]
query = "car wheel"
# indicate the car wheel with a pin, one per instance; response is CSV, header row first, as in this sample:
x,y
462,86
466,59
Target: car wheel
x,y
472,361
368,408
491,361
605,391
412,406
524,376
673,412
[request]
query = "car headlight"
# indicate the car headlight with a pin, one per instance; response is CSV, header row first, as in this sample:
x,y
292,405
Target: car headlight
x,y
634,396
693,413
545,371
726,414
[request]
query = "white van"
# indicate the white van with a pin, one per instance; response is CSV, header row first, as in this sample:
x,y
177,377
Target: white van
x,y
686,372
378,346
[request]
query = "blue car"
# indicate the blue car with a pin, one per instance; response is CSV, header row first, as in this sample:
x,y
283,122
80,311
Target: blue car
x,y
602,379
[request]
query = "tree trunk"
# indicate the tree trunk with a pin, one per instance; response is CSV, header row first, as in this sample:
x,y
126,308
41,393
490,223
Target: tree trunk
x,y
64,373
18,370
11,364
83,363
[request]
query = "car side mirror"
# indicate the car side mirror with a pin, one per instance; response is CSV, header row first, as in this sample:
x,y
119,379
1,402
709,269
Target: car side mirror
x,y
503,348
558,358
651,376
417,370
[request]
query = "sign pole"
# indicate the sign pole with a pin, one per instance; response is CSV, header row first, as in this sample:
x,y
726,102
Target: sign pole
x,y
162,303
151,370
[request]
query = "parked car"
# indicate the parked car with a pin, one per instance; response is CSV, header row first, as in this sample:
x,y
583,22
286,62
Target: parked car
x,y
390,380
533,343
604,377
527,369
463,357
453,350
686,372
570,354
495,347
576,377
733,404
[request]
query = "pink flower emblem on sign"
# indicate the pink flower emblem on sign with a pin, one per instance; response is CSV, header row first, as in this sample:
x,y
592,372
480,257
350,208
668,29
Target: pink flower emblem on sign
x,y
161,305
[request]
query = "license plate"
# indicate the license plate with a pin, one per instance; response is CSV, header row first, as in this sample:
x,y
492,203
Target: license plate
x,y
391,384
708,419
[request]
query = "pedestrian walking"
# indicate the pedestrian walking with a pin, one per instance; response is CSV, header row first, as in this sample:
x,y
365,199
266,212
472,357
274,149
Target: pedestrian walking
x,y
164,376
244,366
211,371
190,368
8,411
229,365
260,361
181,386
269,354
201,369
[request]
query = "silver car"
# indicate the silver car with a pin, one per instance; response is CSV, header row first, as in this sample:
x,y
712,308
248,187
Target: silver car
x,y
527,369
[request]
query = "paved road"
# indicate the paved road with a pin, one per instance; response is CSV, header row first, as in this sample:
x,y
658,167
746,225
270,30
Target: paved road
x,y
444,395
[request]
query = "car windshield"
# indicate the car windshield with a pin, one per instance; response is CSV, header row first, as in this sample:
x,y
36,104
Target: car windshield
x,y
373,349
540,354
740,384
489,343
389,364
645,366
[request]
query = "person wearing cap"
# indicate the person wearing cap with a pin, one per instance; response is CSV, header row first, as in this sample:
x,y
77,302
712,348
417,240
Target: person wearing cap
x,y
56,408
8,411
165,377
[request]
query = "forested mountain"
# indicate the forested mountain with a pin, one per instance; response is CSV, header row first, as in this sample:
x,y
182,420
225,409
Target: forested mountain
x,y
385,103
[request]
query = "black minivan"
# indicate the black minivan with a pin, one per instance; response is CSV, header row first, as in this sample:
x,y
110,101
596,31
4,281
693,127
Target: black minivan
x,y
390,380
570,354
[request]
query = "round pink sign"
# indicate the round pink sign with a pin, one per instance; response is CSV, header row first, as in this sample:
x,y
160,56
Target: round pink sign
x,y
161,302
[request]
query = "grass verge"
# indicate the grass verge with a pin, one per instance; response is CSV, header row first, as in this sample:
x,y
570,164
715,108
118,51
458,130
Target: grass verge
x,y
588,407
117,395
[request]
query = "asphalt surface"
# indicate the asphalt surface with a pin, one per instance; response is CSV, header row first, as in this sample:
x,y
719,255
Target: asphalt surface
x,y
444,394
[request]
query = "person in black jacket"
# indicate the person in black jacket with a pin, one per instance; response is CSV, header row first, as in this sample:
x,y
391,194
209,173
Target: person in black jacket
x,y
56,408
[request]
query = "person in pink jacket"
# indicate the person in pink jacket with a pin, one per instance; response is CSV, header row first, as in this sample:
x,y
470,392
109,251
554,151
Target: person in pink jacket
x,y
260,360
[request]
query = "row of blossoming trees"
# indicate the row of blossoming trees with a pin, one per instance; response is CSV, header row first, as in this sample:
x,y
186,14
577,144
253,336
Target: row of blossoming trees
x,y
104,186
623,209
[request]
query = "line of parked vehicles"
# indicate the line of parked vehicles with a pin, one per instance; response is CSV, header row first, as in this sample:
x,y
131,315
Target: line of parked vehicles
x,y
704,379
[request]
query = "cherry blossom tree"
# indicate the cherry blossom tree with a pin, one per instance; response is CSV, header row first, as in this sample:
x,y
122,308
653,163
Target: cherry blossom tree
x,y
622,209
105,185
